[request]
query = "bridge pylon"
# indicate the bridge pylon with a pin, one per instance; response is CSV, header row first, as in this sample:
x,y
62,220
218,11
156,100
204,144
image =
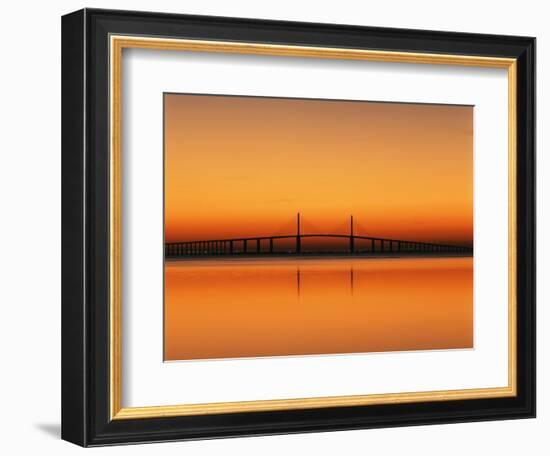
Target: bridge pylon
x,y
351,237
298,236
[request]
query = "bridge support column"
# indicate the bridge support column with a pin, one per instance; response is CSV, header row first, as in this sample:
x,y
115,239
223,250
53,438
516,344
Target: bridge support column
x,y
351,238
258,246
245,246
271,245
298,239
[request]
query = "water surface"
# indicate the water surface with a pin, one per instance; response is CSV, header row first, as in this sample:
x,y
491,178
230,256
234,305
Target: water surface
x,y
238,307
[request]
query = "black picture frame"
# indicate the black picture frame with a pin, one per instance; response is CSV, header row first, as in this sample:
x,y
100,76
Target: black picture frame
x,y
85,225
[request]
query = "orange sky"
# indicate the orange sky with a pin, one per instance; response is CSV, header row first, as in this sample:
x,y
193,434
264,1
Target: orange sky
x,y
244,166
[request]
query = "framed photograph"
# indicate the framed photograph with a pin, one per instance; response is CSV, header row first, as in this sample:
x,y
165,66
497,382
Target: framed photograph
x,y
278,227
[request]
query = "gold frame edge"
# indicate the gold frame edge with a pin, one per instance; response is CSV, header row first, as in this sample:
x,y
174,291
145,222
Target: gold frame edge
x,y
120,42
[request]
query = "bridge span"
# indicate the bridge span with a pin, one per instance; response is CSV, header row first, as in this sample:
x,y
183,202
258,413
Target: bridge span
x,y
267,245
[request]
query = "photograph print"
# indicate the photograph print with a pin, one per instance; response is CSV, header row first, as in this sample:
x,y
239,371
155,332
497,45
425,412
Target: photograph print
x,y
298,227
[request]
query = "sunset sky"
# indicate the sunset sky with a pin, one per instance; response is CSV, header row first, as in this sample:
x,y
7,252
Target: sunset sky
x,y
244,166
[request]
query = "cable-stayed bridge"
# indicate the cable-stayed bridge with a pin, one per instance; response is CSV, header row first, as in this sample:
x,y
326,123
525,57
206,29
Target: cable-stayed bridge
x,y
271,245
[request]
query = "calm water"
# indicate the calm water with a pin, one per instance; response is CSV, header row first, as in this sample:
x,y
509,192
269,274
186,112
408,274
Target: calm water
x,y
227,308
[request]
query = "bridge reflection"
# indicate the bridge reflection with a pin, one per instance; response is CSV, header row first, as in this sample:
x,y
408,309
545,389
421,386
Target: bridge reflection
x,y
350,275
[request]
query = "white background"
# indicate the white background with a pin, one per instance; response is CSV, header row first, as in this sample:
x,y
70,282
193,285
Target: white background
x,y
147,74
30,196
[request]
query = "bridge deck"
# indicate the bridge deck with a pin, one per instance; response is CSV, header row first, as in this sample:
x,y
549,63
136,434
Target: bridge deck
x,y
230,246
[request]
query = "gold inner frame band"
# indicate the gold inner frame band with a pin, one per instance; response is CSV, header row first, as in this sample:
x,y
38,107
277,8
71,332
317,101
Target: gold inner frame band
x,y
117,44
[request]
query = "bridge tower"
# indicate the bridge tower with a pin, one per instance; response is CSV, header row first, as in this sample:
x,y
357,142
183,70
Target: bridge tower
x,y
351,237
298,236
